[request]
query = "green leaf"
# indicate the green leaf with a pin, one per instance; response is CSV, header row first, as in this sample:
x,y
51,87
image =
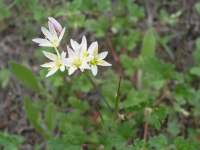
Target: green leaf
x,y
148,44
159,142
141,144
195,71
4,12
24,75
10,140
4,77
50,116
158,116
78,104
32,114
197,6
182,144
71,141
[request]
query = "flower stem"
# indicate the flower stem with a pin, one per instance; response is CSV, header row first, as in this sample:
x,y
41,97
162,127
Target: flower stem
x,y
92,82
116,103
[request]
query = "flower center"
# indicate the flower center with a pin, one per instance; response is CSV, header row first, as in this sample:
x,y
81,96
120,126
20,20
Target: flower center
x,y
85,54
54,42
58,64
77,63
94,61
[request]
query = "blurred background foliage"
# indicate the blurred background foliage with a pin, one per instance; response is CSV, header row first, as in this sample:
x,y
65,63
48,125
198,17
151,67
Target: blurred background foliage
x,y
154,47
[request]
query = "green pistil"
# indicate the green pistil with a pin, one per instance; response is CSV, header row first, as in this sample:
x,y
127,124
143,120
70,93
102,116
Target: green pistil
x,y
77,63
85,54
94,61
58,64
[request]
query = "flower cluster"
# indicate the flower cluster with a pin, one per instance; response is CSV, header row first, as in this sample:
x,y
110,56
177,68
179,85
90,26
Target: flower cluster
x,y
79,56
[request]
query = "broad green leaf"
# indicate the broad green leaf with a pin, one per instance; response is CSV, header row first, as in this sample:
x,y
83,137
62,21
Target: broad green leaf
x,y
32,114
159,142
9,141
73,140
4,12
4,77
182,144
78,104
148,44
158,116
195,71
24,75
50,116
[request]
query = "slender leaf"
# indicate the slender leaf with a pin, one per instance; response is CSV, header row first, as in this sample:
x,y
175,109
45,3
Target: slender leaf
x,y
32,114
50,116
148,44
24,75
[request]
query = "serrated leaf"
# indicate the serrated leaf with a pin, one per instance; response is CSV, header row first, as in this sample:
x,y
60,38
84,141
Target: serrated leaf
x,y
10,141
32,114
182,144
71,141
24,75
148,44
159,142
158,116
50,116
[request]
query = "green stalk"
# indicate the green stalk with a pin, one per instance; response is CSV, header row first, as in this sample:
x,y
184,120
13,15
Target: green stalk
x,y
116,103
92,82
99,114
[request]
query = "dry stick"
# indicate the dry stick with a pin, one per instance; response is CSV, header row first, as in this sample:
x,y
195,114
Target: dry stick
x,y
90,79
7,111
146,127
116,58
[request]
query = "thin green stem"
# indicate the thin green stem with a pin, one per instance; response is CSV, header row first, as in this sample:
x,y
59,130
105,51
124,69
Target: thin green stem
x,y
99,114
94,85
116,103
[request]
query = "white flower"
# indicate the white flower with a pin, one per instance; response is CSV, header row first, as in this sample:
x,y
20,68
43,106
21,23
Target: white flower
x,y
86,52
98,58
56,25
56,64
52,39
76,60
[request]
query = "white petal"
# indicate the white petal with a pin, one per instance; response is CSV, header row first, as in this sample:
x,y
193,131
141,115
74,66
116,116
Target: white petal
x,y
103,63
62,68
66,62
75,45
84,65
51,56
56,24
46,44
47,34
52,71
61,35
102,55
52,31
92,47
94,69
63,54
84,43
39,40
70,51
71,70
89,58
48,65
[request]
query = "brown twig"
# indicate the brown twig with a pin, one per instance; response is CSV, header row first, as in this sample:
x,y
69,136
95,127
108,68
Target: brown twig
x,y
114,54
7,111
146,127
